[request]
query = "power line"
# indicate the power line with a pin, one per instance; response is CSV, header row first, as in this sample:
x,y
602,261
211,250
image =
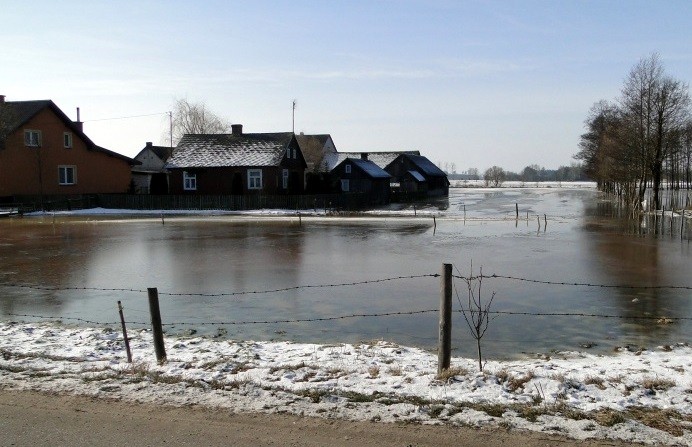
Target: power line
x,y
127,117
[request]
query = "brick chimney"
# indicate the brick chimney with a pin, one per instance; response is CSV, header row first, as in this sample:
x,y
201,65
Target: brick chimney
x,y
79,123
2,99
236,129
149,144
363,155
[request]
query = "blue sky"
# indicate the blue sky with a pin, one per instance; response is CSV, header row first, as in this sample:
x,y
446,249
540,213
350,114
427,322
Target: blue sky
x,y
474,83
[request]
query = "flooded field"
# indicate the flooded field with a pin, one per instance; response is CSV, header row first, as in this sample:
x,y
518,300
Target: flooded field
x,y
213,273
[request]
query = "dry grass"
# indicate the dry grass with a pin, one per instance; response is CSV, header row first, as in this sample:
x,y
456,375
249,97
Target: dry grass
x,y
374,371
595,380
657,384
450,373
511,382
394,371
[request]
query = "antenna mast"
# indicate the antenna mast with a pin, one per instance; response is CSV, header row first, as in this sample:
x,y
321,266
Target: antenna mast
x,y
294,116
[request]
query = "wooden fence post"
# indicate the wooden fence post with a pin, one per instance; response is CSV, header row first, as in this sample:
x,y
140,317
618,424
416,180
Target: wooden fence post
x,y
125,337
445,343
682,224
157,329
516,205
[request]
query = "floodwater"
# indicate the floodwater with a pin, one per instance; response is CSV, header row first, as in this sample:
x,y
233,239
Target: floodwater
x,y
71,262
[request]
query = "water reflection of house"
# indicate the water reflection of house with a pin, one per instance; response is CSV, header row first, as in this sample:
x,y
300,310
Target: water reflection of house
x,y
151,176
237,163
360,175
43,152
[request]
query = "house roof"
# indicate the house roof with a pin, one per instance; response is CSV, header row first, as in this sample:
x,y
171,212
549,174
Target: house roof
x,y
320,138
312,147
381,159
227,150
163,152
416,176
23,111
426,166
423,165
367,166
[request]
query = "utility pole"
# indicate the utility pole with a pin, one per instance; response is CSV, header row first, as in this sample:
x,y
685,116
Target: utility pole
x,y
170,126
294,116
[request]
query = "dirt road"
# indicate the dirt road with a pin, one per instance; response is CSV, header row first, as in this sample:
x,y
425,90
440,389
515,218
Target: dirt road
x,y
34,419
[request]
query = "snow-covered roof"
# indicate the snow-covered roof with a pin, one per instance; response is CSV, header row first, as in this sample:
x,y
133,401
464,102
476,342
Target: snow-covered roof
x,y
225,150
381,159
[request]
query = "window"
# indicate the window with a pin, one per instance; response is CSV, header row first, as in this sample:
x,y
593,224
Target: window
x,y
285,178
345,185
67,140
189,181
67,175
254,179
32,138
347,169
295,154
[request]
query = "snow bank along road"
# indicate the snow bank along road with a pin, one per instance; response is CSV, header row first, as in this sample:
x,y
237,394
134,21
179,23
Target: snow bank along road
x,y
641,396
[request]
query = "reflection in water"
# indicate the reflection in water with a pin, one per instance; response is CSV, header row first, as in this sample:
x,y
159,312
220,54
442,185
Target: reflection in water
x,y
619,258
211,272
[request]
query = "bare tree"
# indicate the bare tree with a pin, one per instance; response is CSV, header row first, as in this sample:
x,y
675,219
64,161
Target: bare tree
x,y
7,122
477,312
655,108
494,176
195,118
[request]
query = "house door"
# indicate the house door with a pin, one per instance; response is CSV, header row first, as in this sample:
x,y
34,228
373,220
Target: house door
x,y
159,184
237,184
295,183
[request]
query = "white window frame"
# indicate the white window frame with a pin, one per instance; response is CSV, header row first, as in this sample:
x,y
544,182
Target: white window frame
x,y
67,140
254,179
285,178
347,169
189,181
32,138
345,185
64,178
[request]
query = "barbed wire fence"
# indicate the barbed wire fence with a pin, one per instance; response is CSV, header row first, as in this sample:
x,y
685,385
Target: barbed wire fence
x,y
346,316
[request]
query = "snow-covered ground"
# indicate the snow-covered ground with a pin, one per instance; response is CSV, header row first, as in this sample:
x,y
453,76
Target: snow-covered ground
x,y
643,396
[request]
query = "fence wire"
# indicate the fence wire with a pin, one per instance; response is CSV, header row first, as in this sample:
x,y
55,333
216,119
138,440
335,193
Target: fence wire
x,y
353,315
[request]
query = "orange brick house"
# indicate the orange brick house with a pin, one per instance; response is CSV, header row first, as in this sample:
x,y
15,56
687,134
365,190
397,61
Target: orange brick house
x,y
43,152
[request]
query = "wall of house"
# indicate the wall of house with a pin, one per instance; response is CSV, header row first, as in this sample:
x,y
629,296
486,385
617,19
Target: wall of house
x,y
150,161
223,181
378,189
33,171
436,186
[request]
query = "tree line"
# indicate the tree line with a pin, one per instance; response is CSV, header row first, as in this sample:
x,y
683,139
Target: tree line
x,y
642,139
495,175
